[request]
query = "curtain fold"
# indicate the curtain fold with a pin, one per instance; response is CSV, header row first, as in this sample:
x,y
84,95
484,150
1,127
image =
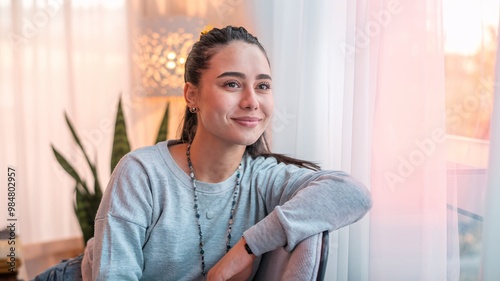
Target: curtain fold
x,y
408,233
491,226
56,57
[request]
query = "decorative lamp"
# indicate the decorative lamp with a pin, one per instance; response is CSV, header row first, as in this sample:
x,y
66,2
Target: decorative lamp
x,y
160,51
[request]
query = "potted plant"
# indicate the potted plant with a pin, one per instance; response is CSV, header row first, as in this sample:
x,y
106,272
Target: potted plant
x,y
86,199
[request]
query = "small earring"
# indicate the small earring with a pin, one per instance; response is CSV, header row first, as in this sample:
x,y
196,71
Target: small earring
x,y
192,110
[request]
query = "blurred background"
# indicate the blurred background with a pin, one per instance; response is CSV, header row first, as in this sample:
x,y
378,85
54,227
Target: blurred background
x,y
399,93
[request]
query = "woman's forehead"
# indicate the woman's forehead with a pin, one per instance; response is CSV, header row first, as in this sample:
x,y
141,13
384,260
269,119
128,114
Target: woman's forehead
x,y
239,57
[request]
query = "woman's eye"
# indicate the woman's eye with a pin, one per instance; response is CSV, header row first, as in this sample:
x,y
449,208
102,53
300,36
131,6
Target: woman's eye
x,y
264,86
231,84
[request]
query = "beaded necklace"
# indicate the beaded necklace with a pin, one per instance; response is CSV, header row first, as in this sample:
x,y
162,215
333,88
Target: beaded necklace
x,y
197,211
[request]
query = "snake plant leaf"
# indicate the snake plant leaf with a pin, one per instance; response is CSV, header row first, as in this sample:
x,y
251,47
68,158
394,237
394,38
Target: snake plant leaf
x,y
163,131
91,166
69,169
97,188
77,140
85,213
97,185
121,144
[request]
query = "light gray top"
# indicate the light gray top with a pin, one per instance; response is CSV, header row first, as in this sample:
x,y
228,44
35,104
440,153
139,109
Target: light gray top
x,y
146,229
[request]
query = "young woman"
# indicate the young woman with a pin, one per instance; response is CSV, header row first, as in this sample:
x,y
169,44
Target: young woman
x,y
209,205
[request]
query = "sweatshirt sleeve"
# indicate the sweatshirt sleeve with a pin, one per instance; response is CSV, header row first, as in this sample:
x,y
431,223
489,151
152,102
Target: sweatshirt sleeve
x,y
303,203
121,222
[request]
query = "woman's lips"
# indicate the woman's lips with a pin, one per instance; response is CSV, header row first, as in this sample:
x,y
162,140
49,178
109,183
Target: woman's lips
x,y
249,122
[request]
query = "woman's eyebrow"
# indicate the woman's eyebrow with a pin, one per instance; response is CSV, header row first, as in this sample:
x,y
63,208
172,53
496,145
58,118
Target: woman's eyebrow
x,y
232,73
243,76
264,76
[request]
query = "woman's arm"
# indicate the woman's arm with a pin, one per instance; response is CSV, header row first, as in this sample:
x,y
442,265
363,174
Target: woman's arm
x,y
306,203
235,265
121,224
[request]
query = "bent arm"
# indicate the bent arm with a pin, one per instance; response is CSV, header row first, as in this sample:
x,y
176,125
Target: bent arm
x,y
307,203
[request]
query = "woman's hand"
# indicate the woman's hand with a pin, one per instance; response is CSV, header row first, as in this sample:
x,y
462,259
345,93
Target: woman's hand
x,y
235,265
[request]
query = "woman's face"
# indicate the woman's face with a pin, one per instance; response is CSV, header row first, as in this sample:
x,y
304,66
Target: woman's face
x,y
234,96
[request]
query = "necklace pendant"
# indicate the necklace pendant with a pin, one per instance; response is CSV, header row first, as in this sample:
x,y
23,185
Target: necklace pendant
x,y
210,215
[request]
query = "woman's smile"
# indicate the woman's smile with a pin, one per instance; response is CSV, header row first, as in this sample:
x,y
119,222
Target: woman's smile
x,y
247,121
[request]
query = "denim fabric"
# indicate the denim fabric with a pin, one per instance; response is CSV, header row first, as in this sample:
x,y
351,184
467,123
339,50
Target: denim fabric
x,y
67,270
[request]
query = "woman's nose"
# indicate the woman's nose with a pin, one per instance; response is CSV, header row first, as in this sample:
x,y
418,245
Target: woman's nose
x,y
249,99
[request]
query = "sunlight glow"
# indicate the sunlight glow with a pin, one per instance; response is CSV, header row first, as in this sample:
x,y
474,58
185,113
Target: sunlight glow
x,y
464,22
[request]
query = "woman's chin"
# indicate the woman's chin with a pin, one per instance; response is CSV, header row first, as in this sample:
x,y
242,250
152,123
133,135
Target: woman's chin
x,y
249,141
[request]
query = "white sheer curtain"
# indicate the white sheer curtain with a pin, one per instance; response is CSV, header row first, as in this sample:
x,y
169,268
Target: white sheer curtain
x,y
408,226
57,56
322,113
359,86
491,228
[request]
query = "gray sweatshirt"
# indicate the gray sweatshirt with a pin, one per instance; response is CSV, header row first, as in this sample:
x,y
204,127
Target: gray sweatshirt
x,y
146,227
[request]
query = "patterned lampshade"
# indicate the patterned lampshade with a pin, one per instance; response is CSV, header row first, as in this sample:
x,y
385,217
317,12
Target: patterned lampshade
x,y
160,51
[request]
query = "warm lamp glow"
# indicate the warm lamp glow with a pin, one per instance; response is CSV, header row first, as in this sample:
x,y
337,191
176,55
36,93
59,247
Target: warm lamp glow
x,y
160,54
171,65
171,56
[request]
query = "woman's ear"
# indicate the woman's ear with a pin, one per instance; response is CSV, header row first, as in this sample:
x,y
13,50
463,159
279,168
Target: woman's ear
x,y
190,94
